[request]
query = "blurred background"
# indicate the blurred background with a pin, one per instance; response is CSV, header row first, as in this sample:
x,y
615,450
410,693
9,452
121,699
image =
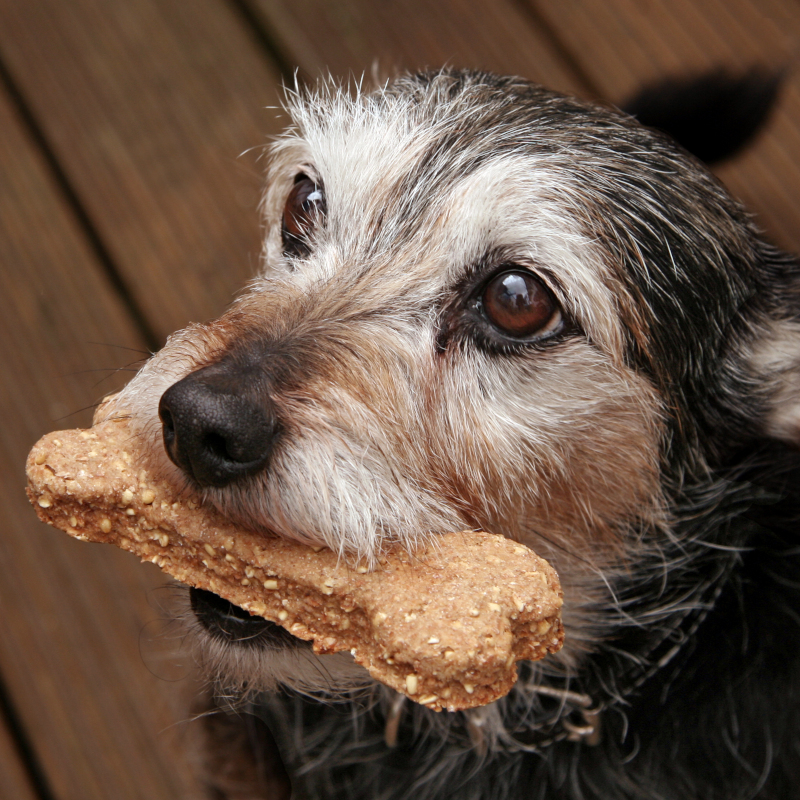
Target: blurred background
x,y
130,140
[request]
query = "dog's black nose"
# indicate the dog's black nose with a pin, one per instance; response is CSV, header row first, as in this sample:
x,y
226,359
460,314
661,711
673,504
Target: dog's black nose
x,y
218,424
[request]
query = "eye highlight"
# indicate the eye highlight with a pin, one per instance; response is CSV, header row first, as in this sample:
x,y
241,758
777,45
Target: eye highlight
x,y
518,305
305,208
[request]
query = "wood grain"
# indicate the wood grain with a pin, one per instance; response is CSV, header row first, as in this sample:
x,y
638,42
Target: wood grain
x,y
14,780
350,37
148,106
624,44
73,617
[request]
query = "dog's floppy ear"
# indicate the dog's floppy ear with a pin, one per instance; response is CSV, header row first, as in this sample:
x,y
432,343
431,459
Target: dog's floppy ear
x,y
712,115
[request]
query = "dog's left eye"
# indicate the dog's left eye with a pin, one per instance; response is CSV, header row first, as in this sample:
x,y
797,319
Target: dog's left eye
x,y
305,207
520,306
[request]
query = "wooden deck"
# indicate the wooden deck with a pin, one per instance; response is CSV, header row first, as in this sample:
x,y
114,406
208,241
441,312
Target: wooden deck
x,y
126,211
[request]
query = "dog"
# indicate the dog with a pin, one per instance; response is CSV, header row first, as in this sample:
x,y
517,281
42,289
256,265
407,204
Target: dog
x,y
486,305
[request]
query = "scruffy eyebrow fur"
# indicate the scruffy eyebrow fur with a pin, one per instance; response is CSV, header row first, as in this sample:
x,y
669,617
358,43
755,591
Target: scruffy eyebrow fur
x,y
627,447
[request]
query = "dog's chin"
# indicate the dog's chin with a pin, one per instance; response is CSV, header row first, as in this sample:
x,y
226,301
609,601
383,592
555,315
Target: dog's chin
x,y
246,654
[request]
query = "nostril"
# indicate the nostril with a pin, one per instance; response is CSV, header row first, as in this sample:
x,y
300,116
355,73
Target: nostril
x,y
167,424
214,429
217,444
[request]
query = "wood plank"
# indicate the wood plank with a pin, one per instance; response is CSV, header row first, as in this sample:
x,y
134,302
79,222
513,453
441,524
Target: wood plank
x,y
148,106
14,780
348,37
623,44
73,615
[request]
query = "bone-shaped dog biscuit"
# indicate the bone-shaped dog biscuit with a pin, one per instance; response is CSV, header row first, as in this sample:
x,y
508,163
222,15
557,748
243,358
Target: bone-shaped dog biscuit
x,y
444,625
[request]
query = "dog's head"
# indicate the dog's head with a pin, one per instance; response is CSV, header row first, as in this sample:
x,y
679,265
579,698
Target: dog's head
x,y
484,305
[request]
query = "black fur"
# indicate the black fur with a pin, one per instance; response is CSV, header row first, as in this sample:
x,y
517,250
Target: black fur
x,y
697,685
713,115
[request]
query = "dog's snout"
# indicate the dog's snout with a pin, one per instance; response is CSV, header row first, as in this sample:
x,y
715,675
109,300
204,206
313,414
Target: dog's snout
x,y
217,426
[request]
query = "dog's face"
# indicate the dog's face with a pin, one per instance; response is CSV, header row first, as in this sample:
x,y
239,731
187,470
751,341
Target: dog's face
x,y
483,305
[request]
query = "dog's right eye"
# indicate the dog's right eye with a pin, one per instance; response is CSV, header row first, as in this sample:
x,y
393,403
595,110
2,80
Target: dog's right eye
x,y
520,306
305,207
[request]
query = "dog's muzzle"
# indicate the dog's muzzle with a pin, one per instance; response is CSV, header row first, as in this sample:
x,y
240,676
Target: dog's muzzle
x,y
217,425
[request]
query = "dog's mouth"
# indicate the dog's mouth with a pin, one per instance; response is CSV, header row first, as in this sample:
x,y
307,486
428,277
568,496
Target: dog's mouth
x,y
230,624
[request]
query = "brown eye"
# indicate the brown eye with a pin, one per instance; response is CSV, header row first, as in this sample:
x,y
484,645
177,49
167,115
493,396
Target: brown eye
x,y
519,305
304,208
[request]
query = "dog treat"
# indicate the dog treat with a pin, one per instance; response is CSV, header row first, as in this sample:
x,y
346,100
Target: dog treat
x,y
444,625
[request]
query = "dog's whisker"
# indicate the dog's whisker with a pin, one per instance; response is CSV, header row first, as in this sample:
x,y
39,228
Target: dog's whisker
x,y
77,411
393,720
143,353
105,369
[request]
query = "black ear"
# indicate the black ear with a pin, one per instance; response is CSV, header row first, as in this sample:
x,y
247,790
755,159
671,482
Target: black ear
x,y
712,115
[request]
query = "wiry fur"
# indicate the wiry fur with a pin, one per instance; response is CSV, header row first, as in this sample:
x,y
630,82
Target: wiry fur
x,y
630,450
